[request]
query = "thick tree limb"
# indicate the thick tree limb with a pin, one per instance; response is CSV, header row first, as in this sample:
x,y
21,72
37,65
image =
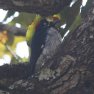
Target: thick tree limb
x,y
43,7
13,29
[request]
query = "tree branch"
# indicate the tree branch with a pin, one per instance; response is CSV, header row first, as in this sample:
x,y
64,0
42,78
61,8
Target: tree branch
x,y
13,29
43,7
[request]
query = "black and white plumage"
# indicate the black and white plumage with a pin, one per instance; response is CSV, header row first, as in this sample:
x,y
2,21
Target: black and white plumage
x,y
45,32
38,43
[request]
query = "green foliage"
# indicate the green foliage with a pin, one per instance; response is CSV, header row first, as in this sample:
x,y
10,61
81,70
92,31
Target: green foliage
x,y
24,19
9,41
71,17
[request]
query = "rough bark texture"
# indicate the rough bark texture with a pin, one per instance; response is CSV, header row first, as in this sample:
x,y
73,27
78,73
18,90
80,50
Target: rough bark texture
x,y
43,7
70,70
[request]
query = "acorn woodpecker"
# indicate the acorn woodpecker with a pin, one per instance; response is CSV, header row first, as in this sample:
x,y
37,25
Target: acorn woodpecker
x,y
36,37
38,42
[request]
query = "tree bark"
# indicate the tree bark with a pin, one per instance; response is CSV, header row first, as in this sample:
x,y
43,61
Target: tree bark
x,y
43,7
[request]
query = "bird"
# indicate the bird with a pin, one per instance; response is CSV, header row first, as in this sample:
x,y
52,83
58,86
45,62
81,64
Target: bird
x,y
36,40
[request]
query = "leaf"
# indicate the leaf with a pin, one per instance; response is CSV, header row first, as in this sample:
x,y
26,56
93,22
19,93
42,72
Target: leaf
x,y
10,38
5,50
6,37
3,37
69,14
24,19
2,49
76,23
17,39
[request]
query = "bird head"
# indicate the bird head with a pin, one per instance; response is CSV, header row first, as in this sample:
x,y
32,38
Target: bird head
x,y
55,18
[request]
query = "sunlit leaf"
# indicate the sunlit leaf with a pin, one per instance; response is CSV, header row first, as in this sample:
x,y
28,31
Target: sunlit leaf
x,y
69,14
17,39
2,49
24,19
76,23
3,37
